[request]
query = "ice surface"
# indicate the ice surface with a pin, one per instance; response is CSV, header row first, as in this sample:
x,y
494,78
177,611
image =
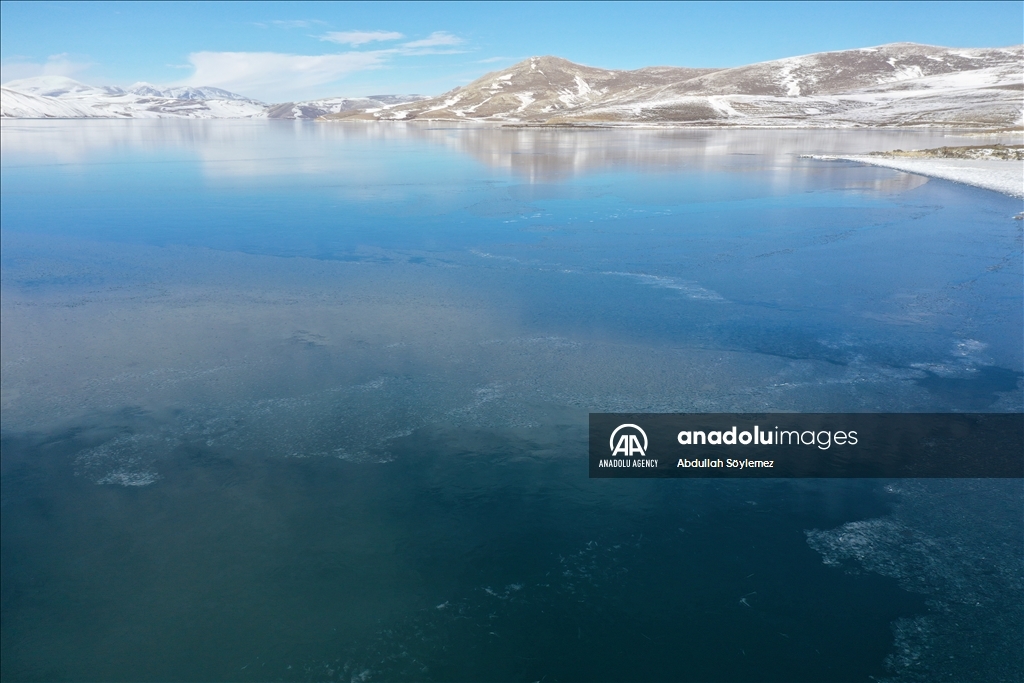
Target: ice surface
x,y
959,543
348,368
991,174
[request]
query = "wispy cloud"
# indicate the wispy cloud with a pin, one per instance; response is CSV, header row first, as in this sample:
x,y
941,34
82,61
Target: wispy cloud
x,y
492,60
274,76
435,39
280,77
55,65
356,38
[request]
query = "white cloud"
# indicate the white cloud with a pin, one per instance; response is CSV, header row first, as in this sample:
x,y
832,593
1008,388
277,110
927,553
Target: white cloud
x,y
356,38
278,77
274,76
435,39
55,65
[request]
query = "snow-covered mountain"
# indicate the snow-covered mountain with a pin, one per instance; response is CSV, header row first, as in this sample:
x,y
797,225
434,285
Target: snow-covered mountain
x,y
67,88
537,88
60,97
901,84
186,93
23,105
59,87
314,109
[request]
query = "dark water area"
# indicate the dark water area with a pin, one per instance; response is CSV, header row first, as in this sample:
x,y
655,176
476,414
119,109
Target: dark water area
x,y
470,557
309,402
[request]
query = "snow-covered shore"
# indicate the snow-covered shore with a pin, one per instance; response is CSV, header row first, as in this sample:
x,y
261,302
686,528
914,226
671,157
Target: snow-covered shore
x,y
991,174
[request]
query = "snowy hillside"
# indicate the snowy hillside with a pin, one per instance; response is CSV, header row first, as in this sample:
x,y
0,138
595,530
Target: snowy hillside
x,y
902,84
538,88
59,97
314,109
22,105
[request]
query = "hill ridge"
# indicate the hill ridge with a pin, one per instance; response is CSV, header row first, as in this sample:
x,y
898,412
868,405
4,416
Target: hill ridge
x,y
896,84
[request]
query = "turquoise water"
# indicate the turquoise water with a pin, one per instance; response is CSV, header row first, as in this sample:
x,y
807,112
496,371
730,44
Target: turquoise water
x,y
309,402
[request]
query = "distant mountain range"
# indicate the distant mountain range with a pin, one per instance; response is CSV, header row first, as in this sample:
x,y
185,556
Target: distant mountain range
x,y
314,109
902,84
57,86
48,97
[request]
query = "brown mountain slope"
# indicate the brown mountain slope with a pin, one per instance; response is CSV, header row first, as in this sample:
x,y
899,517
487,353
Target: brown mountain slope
x,y
890,85
536,89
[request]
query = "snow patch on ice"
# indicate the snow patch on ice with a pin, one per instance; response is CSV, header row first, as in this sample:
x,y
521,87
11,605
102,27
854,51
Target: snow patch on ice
x,y
1006,177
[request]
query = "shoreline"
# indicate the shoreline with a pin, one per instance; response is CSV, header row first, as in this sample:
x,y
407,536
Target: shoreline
x,y
1005,177
953,130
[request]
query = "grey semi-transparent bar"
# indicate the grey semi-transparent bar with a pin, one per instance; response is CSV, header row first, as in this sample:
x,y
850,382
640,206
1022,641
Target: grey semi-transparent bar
x,y
822,445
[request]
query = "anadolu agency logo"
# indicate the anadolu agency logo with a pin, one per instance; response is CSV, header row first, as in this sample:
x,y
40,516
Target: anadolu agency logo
x,y
628,443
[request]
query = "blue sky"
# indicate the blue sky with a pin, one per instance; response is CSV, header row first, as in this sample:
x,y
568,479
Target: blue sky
x,y
280,51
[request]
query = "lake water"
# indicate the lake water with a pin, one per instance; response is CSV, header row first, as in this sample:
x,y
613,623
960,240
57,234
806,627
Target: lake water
x,y
309,402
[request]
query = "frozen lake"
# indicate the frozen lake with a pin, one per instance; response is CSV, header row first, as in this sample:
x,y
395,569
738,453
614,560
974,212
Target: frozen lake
x,y
302,401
